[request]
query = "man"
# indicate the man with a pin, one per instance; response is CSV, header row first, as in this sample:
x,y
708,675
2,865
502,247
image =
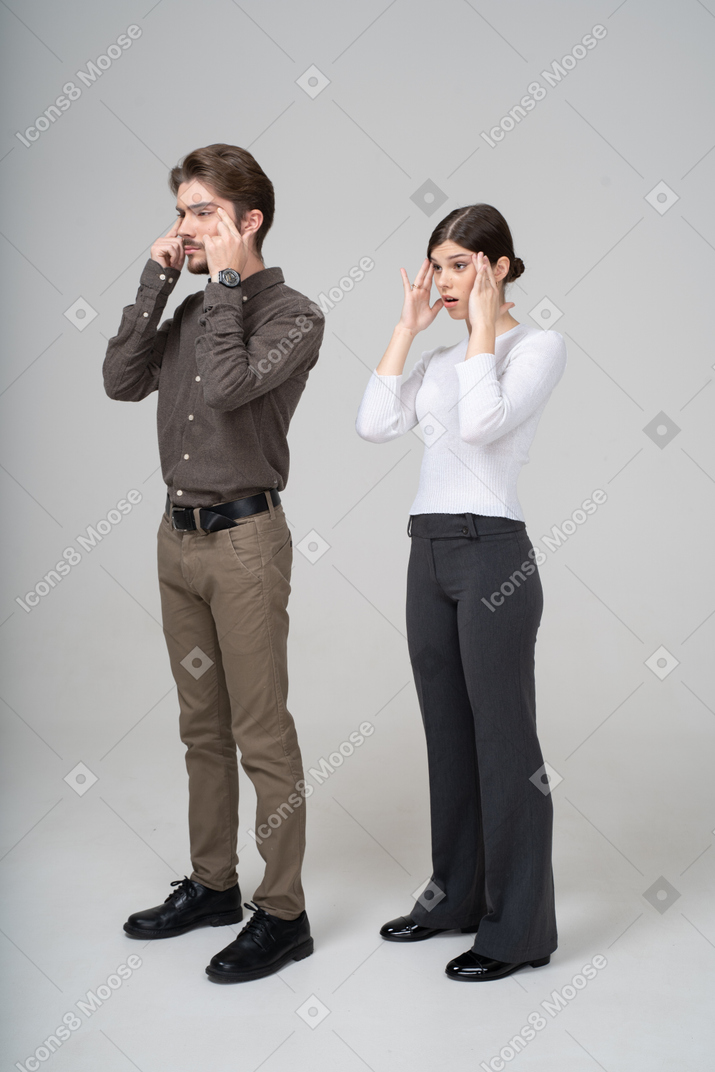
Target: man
x,y
230,367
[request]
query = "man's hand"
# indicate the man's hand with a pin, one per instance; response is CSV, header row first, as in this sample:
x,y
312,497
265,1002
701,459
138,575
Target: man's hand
x,y
169,250
225,249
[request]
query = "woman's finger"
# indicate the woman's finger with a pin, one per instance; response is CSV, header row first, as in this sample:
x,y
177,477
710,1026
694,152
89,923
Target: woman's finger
x,y
419,278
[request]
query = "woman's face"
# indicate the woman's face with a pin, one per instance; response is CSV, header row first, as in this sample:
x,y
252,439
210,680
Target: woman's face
x,y
454,274
453,277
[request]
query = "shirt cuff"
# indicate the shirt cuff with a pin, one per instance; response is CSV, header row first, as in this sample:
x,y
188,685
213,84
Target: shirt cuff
x,y
156,277
220,294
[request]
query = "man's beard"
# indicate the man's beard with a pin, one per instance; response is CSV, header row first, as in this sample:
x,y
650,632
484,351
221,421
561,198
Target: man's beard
x,y
197,264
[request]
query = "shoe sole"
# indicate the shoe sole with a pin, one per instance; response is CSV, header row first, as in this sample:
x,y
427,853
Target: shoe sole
x,y
299,953
424,937
486,978
219,919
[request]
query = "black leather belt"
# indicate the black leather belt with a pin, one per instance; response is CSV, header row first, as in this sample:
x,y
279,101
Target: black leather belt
x,y
220,516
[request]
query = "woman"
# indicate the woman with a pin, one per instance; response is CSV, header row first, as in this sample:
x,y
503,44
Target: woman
x,y
474,597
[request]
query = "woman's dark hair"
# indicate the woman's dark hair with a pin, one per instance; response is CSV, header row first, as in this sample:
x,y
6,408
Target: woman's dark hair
x,y
234,175
479,228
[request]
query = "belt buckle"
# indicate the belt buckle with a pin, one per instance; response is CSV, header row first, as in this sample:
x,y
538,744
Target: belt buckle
x,y
186,515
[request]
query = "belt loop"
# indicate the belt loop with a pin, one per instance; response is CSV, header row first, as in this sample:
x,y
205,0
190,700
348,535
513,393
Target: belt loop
x,y
472,525
271,507
196,514
409,526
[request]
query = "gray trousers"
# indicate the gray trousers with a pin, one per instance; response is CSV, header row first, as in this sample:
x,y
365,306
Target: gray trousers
x,y
473,663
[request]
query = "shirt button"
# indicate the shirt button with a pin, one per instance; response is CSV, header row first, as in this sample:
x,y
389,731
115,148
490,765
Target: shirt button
x,y
171,279
245,298
191,416
179,492
145,314
198,378
162,277
186,457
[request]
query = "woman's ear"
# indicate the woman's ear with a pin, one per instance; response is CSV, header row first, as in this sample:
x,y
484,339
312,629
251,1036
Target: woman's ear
x,y
501,269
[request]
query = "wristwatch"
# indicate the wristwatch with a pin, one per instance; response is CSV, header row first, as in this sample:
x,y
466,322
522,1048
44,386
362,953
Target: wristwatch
x,y
229,277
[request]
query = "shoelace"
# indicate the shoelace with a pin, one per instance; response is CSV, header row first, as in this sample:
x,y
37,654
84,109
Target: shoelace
x,y
258,926
185,886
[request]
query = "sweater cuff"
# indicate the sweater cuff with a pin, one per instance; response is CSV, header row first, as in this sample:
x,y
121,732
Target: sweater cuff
x,y
382,397
480,367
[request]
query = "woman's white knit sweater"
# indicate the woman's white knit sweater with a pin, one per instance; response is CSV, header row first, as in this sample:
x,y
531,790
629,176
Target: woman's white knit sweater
x,y
476,418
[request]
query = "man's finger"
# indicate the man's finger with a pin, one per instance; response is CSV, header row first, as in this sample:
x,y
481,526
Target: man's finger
x,y
225,218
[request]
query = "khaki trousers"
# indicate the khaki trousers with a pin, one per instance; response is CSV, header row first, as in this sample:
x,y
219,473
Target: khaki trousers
x,y
224,596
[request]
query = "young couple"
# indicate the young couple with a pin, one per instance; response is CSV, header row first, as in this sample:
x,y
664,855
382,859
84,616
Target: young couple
x,y
230,366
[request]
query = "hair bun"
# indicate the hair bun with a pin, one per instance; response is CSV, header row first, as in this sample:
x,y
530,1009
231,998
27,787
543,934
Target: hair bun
x,y
517,268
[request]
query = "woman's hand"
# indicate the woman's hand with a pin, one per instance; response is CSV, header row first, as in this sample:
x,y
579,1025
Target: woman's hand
x,y
484,304
417,314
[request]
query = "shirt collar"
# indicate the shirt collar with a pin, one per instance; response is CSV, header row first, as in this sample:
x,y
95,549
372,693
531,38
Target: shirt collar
x,y
266,277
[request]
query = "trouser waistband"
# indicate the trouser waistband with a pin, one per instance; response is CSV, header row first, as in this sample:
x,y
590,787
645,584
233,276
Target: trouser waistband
x,y
440,526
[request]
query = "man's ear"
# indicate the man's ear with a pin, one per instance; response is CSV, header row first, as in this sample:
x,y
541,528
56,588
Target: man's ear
x,y
251,221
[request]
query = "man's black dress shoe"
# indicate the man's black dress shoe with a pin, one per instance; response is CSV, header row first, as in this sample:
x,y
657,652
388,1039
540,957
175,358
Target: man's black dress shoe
x,y
265,945
190,905
404,929
475,968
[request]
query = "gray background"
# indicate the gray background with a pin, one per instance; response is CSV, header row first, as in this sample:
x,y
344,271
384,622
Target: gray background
x,y
629,283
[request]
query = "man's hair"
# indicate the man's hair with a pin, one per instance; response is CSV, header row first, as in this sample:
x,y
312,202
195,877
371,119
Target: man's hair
x,y
234,175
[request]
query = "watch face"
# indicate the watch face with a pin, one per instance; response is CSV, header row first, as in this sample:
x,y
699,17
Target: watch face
x,y
230,276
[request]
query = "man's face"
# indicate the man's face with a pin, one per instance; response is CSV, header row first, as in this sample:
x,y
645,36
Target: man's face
x,y
196,204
